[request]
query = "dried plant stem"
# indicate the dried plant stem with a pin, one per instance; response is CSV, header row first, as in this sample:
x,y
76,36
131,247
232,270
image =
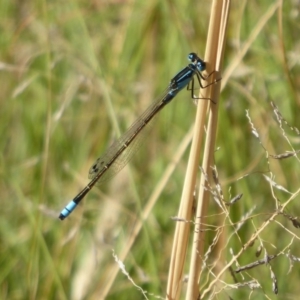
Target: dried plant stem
x,y
213,58
214,54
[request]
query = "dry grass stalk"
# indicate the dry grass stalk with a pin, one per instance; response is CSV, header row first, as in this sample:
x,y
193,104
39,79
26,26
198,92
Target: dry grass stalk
x,y
213,58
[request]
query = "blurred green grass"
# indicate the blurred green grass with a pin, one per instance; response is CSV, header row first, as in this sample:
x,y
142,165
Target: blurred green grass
x,y
76,74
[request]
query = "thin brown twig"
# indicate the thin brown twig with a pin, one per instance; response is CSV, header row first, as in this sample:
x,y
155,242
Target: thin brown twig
x,y
214,54
181,237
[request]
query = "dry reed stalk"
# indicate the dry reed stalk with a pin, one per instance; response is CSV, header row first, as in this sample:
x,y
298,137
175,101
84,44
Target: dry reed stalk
x,y
213,57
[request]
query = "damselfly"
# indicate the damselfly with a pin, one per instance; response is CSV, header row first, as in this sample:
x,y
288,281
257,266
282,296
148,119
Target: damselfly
x,y
121,151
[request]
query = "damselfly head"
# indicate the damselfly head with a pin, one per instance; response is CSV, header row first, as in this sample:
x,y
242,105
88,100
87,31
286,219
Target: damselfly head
x,y
192,57
198,62
201,65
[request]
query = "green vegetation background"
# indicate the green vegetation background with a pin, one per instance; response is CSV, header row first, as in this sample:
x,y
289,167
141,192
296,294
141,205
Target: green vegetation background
x,y
74,75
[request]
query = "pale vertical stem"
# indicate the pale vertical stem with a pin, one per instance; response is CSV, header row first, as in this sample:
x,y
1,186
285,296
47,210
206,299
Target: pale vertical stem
x,y
182,231
213,55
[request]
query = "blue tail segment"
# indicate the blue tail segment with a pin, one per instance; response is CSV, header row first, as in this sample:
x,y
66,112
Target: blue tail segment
x,y
67,210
